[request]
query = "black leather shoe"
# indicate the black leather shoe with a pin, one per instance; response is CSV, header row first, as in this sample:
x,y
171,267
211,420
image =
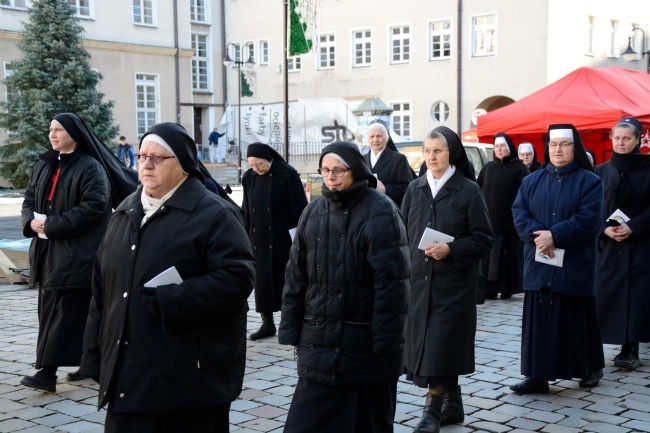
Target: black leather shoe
x,y
506,295
592,380
530,386
629,357
452,407
75,376
431,414
491,295
266,330
41,381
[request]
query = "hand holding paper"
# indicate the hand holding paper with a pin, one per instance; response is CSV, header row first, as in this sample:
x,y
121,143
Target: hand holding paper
x,y
431,237
168,276
40,217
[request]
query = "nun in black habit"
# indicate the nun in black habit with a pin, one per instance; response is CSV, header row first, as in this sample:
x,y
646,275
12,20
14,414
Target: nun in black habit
x,y
623,278
528,155
560,207
441,324
273,201
66,209
500,180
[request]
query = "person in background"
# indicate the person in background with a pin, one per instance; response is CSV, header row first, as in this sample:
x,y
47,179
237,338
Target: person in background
x,y
213,139
345,301
169,356
391,168
125,153
65,212
500,180
591,156
560,207
273,201
528,156
623,274
441,324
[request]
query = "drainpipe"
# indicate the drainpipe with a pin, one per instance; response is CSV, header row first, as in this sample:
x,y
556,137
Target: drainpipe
x,y
224,74
459,70
177,63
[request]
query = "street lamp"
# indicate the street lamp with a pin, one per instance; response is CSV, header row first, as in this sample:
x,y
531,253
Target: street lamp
x,y
249,63
629,54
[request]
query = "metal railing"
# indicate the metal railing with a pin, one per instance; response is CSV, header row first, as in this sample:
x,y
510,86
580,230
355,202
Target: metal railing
x,y
305,152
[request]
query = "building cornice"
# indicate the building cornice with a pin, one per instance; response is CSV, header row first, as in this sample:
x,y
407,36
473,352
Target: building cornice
x,y
92,44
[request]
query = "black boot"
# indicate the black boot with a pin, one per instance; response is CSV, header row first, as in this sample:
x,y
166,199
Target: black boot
x,y
530,386
430,422
592,380
631,361
43,380
267,329
452,407
624,353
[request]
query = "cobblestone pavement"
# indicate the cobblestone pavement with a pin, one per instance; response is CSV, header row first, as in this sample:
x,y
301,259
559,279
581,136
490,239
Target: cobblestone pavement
x,y
620,404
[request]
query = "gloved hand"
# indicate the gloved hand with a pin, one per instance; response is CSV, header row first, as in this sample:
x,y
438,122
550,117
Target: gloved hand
x,y
149,298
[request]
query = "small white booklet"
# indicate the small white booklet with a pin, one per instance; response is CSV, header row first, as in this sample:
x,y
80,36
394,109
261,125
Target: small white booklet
x,y
292,233
430,237
557,260
619,216
40,217
169,276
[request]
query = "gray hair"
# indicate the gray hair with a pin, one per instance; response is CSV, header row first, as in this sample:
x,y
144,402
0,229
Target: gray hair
x,y
377,126
435,135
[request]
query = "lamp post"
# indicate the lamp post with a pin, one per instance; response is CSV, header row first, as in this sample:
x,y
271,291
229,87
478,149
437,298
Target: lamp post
x,y
249,63
629,54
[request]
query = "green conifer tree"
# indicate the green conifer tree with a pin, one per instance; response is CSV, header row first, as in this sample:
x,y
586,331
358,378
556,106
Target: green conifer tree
x,y
52,76
245,87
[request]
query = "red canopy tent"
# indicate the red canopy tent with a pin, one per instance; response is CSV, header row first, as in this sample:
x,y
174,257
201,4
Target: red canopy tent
x,y
592,99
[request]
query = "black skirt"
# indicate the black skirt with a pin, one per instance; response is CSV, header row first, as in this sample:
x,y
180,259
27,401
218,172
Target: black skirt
x,y
62,316
503,266
367,408
204,420
560,336
429,381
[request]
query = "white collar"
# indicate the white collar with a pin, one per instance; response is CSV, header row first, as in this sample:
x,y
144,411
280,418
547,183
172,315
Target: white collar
x,y
435,184
374,158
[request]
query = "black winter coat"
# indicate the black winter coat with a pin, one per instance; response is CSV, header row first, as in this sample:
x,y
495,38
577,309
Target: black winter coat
x,y
393,169
76,219
441,322
345,295
622,276
272,205
184,347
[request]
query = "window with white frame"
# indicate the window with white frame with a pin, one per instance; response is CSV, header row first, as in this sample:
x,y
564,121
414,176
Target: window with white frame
x,y
401,118
249,52
400,44
18,4
591,27
264,52
146,97
294,64
439,112
326,52
362,47
484,31
143,12
614,50
237,52
440,40
198,11
200,62
8,69
81,8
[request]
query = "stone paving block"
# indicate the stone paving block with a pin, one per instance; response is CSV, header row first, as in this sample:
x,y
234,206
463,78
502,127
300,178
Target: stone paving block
x,y
14,424
605,428
544,405
289,380
31,412
511,409
250,394
448,429
237,417
21,394
638,415
39,429
609,408
78,410
266,411
79,394
526,424
488,415
482,403
262,424
55,420
606,418
266,375
490,427
96,417
547,417
517,400
42,399
82,426
9,406
640,397
551,428
242,405
636,425
275,400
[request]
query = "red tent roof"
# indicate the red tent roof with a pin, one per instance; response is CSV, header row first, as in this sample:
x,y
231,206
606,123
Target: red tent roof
x,y
589,98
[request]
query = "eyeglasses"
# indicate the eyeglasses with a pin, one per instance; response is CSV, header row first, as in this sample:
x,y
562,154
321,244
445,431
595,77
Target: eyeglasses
x,y
155,159
258,165
436,152
338,172
553,144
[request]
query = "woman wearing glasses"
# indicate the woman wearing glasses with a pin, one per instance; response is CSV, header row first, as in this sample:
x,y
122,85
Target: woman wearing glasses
x,y
442,308
344,302
558,212
273,201
169,354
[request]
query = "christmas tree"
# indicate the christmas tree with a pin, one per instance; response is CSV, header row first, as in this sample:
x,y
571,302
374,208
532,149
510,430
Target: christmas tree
x,y
53,76
298,42
245,87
